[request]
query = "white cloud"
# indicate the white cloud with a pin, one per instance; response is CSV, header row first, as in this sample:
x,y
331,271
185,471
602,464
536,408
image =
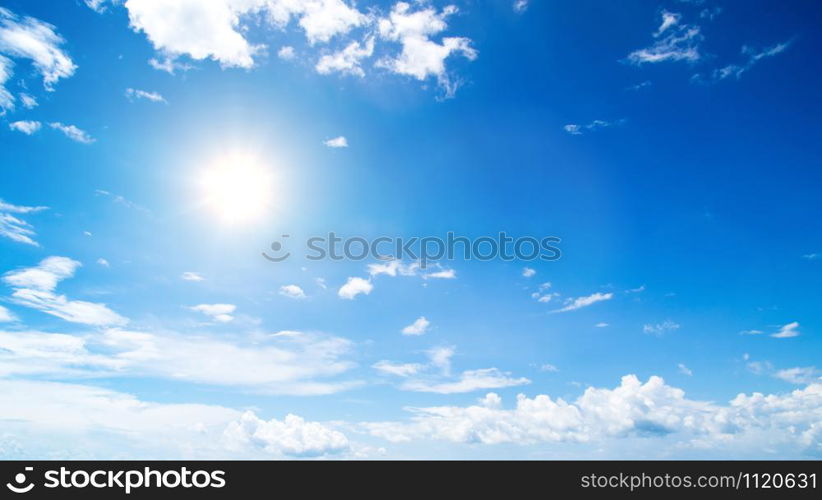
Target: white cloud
x,y
99,6
528,272
398,369
660,328
679,43
520,6
638,289
811,256
468,381
27,127
601,324
337,142
293,436
73,421
322,19
217,312
192,276
800,375
13,227
548,367
354,287
73,133
6,98
684,369
580,302
418,327
422,57
32,39
286,53
293,363
103,262
753,424
575,129
444,274
292,291
753,57
169,65
135,94
6,315
121,200
347,60
787,331
34,287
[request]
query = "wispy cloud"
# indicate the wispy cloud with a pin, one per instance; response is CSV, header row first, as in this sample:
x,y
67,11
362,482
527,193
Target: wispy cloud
x,y
137,94
337,142
192,276
737,70
73,133
660,328
675,41
573,304
574,129
14,228
27,127
787,331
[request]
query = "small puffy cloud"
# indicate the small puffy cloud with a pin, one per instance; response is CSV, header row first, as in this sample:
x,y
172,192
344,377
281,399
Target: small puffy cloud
x,y
675,41
6,315
286,53
520,6
217,312
27,127
347,60
103,262
136,94
418,327
355,286
422,57
398,369
15,228
787,331
527,272
573,304
292,436
73,133
660,328
28,101
192,276
337,142
37,41
292,292
684,369
34,287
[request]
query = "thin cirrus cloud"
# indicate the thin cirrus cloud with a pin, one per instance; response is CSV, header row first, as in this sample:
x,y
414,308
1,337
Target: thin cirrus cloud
x,y
572,304
674,41
137,94
575,129
787,331
34,287
15,228
735,71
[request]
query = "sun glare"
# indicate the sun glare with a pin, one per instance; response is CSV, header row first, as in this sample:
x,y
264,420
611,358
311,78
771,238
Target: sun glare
x,y
238,189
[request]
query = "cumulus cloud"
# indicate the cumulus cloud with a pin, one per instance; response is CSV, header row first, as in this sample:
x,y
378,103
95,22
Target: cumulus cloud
x,y
631,410
347,60
675,41
292,292
528,272
218,312
27,127
337,142
421,57
34,287
355,286
572,304
286,53
136,94
14,228
418,327
73,133
292,436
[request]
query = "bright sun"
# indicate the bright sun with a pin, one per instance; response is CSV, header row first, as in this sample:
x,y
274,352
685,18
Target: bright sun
x,y
237,188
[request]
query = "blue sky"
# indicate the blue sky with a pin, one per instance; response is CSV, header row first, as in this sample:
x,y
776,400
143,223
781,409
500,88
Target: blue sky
x,y
672,146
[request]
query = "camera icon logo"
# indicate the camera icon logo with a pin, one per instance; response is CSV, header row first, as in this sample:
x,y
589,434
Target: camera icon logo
x,y
20,479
